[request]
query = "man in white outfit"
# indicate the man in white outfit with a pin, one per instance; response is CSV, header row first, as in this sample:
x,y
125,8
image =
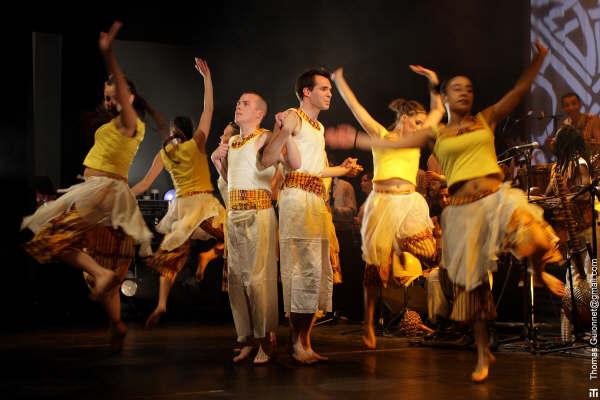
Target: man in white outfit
x,y
306,273
251,230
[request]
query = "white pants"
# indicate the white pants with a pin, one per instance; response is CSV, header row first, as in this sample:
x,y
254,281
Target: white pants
x,y
252,280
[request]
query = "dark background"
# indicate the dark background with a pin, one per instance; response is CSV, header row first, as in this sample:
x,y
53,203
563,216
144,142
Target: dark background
x,y
259,46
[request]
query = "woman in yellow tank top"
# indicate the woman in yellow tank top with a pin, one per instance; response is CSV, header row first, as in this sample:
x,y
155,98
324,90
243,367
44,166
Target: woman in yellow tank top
x,y
94,225
195,213
485,216
396,217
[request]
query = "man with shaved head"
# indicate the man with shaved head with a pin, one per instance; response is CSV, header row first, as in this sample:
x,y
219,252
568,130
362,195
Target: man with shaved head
x,y
251,229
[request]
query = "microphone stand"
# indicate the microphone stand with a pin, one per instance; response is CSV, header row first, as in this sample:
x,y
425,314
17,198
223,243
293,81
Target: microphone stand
x,y
530,329
529,333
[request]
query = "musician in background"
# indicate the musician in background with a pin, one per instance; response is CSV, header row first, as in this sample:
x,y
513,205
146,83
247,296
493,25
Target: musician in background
x,y
572,174
572,164
587,124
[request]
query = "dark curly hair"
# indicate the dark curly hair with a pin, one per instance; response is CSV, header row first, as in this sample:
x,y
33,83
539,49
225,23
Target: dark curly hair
x,y
569,147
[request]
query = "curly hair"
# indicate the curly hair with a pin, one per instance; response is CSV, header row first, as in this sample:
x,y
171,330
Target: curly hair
x,y
405,107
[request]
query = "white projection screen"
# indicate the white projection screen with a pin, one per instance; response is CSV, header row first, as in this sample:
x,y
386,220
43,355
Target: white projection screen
x,y
571,30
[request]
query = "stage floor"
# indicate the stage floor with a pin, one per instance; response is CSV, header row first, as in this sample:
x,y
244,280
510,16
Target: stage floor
x,y
194,361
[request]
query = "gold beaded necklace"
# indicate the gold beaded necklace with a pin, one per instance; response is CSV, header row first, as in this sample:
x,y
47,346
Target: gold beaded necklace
x,y
240,141
312,122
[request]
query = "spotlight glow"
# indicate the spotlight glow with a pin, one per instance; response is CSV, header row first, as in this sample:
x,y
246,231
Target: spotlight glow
x,y
169,195
129,288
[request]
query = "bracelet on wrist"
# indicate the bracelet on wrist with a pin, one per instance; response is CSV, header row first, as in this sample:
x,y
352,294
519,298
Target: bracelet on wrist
x,y
434,88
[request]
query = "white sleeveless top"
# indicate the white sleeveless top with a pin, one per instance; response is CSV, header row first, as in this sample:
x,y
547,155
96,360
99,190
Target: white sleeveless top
x,y
242,159
311,144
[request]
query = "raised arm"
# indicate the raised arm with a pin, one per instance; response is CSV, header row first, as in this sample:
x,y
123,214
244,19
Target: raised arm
x,y
436,106
365,120
510,100
128,116
153,171
350,138
290,155
282,131
203,129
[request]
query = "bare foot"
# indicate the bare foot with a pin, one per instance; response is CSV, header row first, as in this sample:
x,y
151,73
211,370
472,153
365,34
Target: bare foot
x,y
317,356
482,368
480,374
244,353
301,355
425,328
153,318
261,357
103,283
116,336
369,338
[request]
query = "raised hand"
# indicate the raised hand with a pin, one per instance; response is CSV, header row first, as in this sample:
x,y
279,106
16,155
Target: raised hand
x,y
339,72
280,118
429,74
540,48
202,67
106,39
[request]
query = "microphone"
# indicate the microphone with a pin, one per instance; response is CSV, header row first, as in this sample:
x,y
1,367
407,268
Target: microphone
x,y
518,149
522,147
533,145
542,115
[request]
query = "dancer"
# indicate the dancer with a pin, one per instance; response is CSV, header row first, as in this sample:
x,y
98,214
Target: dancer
x,y
251,230
95,224
195,213
306,272
485,216
396,217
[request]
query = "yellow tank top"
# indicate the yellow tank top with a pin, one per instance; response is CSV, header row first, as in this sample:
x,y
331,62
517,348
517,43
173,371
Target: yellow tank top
x,y
188,167
395,163
112,151
467,156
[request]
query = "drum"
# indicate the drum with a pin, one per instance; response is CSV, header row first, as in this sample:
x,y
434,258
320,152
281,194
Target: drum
x,y
555,216
539,178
